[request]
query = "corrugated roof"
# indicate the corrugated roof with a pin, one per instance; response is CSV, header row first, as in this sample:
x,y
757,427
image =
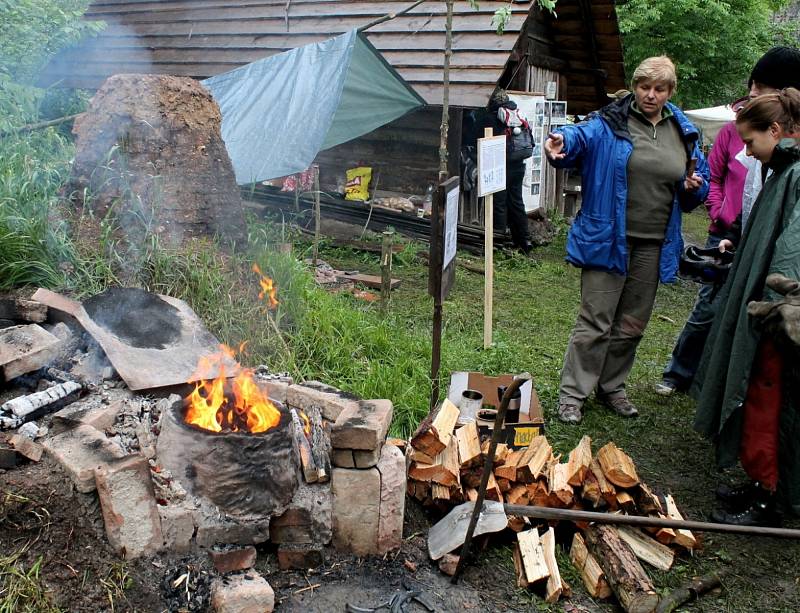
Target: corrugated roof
x,y
202,38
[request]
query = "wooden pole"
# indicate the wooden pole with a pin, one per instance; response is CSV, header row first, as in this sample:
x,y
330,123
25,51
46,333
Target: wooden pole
x,y
445,125
316,215
386,267
488,262
645,522
436,351
390,16
39,125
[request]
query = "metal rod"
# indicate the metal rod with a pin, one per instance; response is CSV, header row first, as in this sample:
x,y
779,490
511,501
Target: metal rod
x,y
487,470
646,522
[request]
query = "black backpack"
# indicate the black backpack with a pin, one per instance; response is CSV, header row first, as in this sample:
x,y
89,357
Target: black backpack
x,y
519,137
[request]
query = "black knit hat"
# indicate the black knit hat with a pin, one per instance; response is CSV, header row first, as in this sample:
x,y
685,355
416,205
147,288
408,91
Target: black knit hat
x,y
778,68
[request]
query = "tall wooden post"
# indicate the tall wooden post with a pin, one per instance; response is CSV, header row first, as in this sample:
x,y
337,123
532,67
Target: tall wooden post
x,y
488,262
317,216
386,267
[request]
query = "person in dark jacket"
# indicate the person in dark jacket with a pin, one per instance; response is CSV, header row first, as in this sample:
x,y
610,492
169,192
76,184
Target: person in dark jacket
x,y
509,208
748,397
634,157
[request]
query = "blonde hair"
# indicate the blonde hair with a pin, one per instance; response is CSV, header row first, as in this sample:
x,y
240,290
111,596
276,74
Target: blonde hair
x,y
659,68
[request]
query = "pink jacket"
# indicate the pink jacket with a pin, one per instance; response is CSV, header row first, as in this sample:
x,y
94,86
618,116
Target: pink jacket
x,y
724,201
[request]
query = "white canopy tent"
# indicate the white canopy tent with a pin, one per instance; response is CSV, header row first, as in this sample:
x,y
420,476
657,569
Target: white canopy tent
x,y
711,120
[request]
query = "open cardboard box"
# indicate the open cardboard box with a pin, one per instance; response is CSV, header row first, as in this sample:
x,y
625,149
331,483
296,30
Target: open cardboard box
x,y
531,420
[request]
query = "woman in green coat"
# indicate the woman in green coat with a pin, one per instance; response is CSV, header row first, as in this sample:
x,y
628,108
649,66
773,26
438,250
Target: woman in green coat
x,y
746,404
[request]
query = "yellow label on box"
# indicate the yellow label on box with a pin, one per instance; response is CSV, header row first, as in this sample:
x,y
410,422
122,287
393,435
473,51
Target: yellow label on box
x,y
523,436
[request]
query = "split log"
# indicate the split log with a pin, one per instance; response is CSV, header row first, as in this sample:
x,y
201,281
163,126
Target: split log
x,y
534,460
532,553
436,430
617,466
509,468
538,493
444,470
500,452
646,501
559,487
625,575
554,585
518,524
607,490
626,503
469,445
492,490
517,494
471,494
320,444
33,406
422,458
646,549
440,492
519,567
579,460
590,491
592,575
303,446
684,538
471,477
504,485
20,309
663,535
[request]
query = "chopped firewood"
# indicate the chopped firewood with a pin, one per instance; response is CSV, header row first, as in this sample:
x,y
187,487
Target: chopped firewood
x,y
303,446
607,490
646,549
538,494
646,501
566,589
20,309
559,487
536,456
626,503
320,444
590,491
442,492
553,588
500,452
593,577
532,553
504,485
663,535
471,494
684,538
630,584
518,524
422,458
517,494
422,490
33,406
519,567
617,466
471,477
444,469
469,445
492,491
579,460
509,468
436,430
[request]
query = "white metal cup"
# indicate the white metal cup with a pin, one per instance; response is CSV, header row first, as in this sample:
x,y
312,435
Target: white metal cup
x,y
470,404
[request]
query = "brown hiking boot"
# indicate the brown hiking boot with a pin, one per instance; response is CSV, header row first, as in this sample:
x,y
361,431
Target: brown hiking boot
x,y
569,413
621,406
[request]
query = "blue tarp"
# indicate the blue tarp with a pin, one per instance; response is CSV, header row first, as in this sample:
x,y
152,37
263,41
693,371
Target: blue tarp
x,y
280,112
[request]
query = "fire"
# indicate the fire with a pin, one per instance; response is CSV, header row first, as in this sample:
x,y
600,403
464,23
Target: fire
x,y
306,423
246,408
268,288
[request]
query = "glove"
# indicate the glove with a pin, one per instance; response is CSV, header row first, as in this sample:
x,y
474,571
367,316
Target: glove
x,y
781,317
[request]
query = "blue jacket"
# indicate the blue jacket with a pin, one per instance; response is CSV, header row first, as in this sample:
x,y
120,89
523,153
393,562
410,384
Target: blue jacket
x,y
601,147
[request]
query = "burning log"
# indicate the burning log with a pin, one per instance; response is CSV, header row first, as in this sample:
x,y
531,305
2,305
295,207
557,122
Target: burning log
x,y
303,447
30,407
320,445
23,310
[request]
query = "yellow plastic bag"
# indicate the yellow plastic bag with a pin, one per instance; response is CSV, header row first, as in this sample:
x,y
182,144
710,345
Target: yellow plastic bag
x,y
357,186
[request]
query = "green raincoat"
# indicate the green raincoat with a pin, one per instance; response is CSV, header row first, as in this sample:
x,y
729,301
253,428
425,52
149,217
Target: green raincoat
x,y
771,243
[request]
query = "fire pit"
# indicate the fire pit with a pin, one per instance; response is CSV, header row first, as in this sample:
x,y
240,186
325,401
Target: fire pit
x,y
229,443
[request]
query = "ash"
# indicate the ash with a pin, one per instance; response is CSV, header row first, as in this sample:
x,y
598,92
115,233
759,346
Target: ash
x,y
186,587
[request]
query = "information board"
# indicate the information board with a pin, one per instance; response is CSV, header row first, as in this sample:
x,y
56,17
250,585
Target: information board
x,y
450,227
491,165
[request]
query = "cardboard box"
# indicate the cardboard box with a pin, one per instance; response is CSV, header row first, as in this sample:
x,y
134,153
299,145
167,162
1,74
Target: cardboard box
x,y
516,435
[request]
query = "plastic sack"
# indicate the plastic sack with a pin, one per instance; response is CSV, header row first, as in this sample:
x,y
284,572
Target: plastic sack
x,y
357,186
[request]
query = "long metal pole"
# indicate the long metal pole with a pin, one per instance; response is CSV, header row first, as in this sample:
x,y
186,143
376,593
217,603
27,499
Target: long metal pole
x,y
645,522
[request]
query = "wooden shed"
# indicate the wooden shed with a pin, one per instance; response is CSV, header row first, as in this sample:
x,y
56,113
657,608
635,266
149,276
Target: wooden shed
x,y
579,50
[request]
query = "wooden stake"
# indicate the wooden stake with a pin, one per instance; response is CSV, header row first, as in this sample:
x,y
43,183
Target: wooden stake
x,y
317,214
386,267
488,262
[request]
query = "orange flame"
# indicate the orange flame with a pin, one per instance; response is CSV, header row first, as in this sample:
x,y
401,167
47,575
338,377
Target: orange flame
x,y
306,423
247,409
268,288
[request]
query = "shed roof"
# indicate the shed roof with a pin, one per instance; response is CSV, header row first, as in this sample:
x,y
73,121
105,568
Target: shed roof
x,y
203,38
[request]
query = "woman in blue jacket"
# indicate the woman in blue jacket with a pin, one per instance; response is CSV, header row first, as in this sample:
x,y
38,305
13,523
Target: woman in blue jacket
x,y
635,157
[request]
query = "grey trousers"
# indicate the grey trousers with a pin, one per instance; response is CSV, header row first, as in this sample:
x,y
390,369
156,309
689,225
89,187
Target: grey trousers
x,y
613,315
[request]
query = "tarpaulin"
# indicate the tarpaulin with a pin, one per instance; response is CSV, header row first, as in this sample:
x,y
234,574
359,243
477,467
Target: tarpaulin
x,y
280,112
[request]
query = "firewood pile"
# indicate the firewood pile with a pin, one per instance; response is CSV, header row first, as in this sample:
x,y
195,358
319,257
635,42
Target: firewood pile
x,y
445,468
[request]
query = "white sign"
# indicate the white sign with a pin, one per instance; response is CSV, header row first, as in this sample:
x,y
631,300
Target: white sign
x,y
535,110
451,227
550,90
491,165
